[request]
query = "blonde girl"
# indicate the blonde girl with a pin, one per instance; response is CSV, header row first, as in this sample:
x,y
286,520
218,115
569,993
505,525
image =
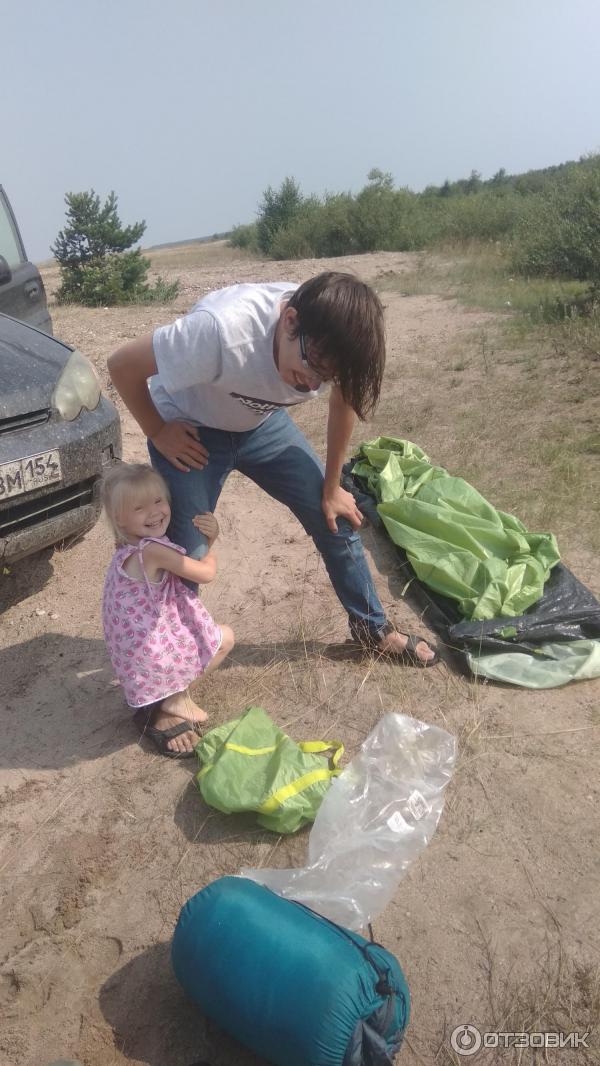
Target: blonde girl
x,y
159,636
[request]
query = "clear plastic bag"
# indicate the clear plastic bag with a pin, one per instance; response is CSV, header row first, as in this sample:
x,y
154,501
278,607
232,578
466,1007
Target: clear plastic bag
x,y
376,818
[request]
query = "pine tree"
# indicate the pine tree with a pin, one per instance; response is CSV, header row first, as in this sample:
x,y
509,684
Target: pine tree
x,y
95,265
93,231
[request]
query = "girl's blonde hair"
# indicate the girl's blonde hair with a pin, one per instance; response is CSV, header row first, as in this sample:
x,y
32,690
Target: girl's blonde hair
x,y
128,482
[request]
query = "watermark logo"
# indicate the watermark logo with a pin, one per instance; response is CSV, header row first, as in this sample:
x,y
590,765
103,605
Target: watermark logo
x,y
467,1040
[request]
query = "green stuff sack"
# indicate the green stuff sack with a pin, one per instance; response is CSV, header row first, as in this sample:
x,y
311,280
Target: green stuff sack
x,y
249,764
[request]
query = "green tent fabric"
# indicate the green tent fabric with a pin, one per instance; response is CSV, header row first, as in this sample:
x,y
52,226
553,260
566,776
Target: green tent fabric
x,y
249,764
457,543
550,666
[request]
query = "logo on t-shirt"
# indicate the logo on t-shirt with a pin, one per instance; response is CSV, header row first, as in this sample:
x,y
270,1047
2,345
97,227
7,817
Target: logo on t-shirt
x,y
261,407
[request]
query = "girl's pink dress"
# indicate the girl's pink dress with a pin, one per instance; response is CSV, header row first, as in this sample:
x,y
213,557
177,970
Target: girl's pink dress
x,y
159,635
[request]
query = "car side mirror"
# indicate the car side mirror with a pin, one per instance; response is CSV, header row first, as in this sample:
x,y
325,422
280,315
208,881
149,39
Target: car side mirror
x,y
5,271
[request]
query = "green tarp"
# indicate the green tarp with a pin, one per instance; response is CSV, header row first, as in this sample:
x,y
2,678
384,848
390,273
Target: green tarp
x,y
483,560
552,665
457,543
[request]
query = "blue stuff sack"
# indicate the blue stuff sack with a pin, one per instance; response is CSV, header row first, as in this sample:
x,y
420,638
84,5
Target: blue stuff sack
x,y
292,986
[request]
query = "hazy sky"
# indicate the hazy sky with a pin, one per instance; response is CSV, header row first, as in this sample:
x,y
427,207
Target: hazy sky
x,y
190,109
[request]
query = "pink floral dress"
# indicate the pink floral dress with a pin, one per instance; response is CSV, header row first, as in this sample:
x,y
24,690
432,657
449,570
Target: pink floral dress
x,y
159,635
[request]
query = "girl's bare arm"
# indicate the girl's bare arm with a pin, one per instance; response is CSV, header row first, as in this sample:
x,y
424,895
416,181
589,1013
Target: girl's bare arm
x,y
161,557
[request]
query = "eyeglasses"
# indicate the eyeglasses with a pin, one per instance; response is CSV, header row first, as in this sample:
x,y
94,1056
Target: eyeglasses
x,y
322,374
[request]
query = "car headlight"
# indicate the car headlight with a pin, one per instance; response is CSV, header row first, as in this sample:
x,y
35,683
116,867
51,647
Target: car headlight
x,y
78,387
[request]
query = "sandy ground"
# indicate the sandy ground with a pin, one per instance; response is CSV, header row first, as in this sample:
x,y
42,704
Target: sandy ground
x,y
103,840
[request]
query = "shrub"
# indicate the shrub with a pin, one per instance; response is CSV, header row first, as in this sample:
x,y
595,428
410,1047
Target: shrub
x,y
484,217
550,219
162,292
95,266
559,234
279,208
115,279
329,227
292,242
244,237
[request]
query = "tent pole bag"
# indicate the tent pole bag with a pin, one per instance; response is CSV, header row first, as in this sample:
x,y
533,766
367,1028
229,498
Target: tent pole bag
x,y
292,986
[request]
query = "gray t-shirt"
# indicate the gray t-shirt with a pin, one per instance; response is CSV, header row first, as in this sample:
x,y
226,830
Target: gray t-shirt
x,y
216,366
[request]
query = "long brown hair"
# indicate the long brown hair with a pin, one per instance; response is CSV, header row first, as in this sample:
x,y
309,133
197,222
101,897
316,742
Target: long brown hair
x,y
342,317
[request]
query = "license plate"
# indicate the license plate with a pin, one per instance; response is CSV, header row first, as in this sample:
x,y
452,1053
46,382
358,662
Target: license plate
x,y
30,473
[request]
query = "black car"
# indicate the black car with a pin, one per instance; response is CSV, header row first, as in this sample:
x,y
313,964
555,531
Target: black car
x,y
21,287
57,436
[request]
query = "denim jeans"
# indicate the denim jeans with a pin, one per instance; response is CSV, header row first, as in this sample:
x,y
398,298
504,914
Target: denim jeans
x,y
278,458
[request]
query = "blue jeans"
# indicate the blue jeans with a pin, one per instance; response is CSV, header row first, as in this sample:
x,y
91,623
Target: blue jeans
x,y
279,459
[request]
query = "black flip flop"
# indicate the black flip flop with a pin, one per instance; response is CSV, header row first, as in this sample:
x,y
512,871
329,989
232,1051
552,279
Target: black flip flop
x,y
160,737
408,654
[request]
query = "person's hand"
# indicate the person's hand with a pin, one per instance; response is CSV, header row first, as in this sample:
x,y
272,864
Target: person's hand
x,y
179,443
208,525
337,503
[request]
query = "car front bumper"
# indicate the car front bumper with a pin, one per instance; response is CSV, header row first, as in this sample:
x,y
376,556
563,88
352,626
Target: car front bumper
x,y
88,446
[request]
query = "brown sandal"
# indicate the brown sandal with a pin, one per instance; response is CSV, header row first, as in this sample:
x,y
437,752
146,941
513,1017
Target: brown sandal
x,y
409,654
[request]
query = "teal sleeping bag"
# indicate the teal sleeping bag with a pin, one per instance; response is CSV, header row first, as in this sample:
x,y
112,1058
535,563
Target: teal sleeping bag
x,y
292,986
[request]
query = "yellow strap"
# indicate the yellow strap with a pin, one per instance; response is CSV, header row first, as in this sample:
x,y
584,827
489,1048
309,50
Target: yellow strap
x,y
250,751
315,746
282,794
308,747
242,750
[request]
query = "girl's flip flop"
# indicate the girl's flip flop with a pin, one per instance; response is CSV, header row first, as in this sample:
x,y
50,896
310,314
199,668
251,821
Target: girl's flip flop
x,y
161,737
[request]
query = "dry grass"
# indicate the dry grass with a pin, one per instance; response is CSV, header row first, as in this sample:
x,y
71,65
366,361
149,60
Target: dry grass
x,y
559,997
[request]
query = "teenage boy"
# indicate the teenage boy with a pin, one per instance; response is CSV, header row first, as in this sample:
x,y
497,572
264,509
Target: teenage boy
x,y
211,393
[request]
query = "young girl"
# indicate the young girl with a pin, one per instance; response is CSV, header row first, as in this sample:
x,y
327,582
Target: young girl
x,y
159,635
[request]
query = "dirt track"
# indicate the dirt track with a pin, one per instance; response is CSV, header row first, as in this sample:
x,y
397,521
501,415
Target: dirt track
x,y
102,840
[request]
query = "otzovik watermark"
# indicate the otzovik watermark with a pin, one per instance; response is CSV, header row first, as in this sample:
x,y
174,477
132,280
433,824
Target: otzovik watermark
x,y
468,1040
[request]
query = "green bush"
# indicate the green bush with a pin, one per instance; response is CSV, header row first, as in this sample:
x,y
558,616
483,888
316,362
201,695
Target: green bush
x,y
379,218
376,213
559,234
334,226
292,242
162,292
114,279
244,237
279,208
95,266
318,230
483,217
548,219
